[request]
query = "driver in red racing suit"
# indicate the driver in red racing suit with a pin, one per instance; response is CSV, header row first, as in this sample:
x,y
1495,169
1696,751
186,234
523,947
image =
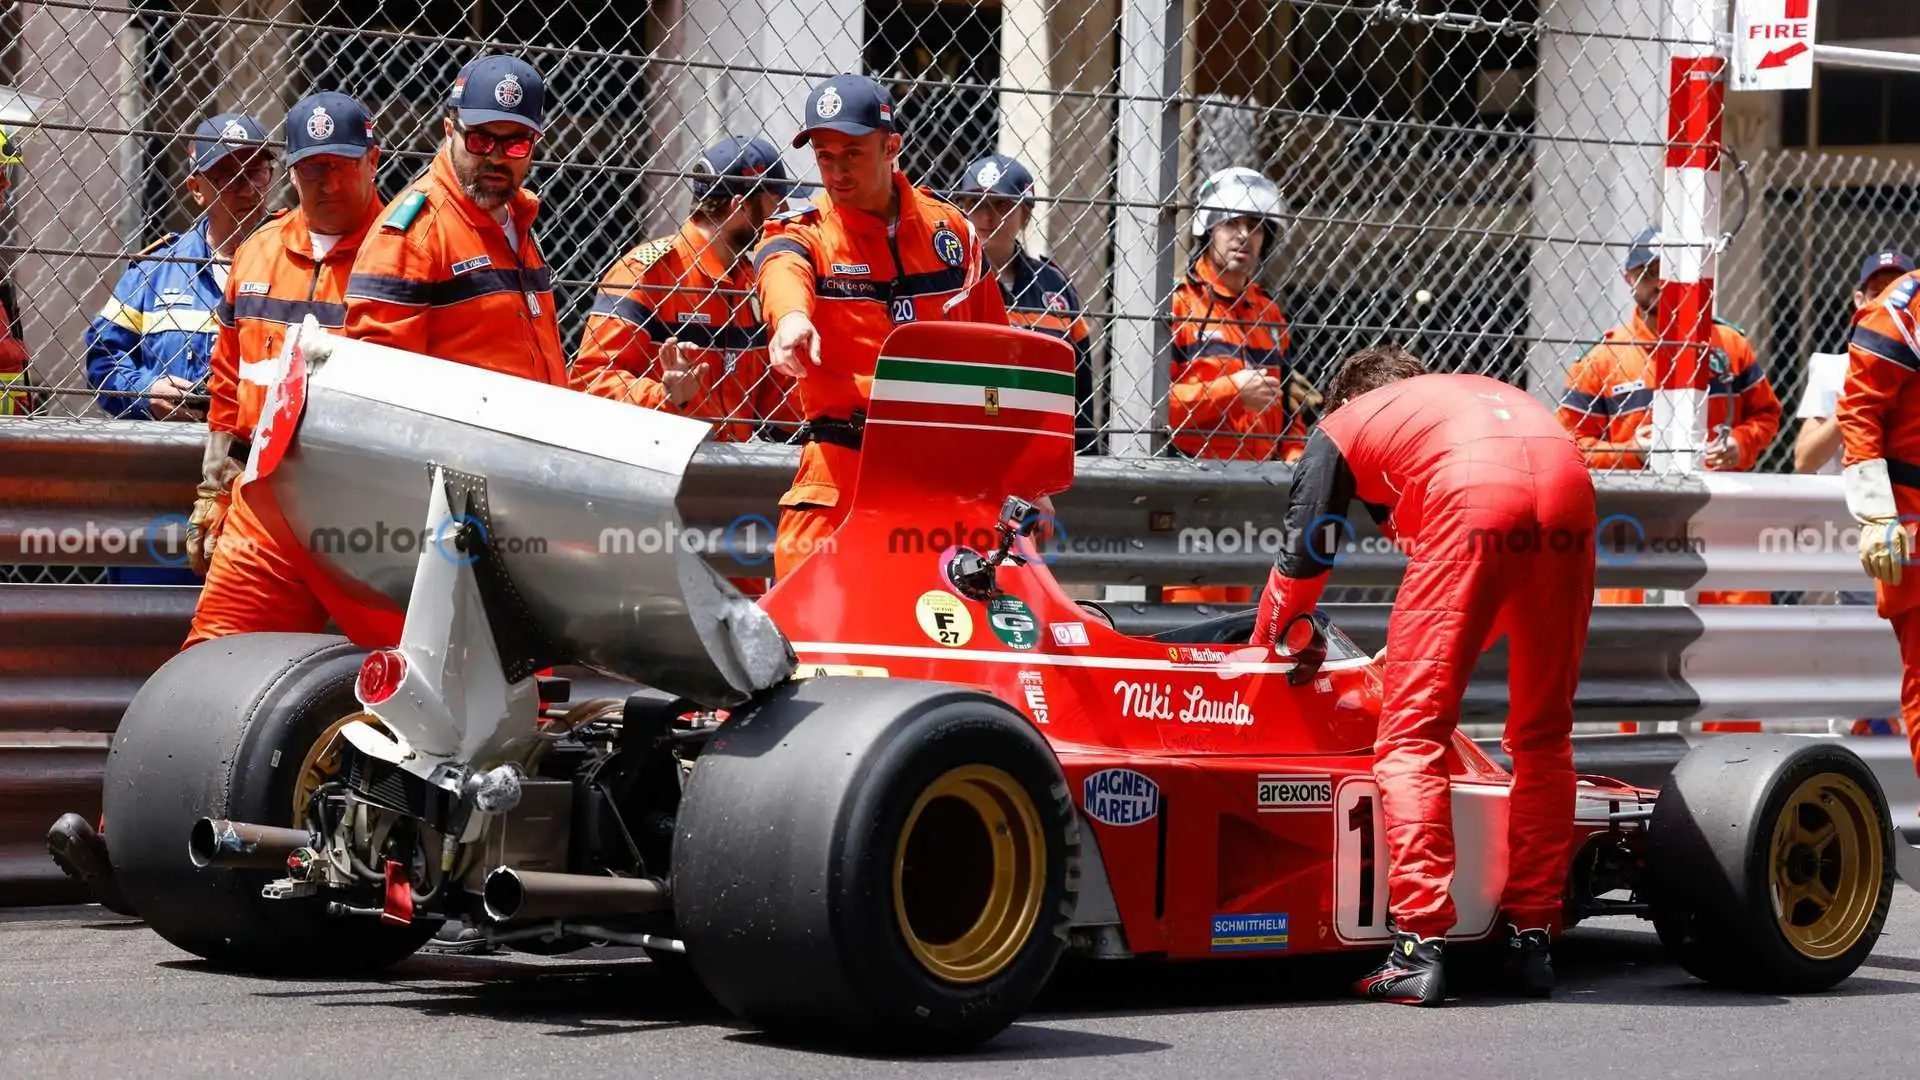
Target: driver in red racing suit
x,y
1492,502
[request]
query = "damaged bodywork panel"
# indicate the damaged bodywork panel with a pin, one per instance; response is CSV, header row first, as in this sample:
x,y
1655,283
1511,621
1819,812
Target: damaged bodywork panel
x,y
583,557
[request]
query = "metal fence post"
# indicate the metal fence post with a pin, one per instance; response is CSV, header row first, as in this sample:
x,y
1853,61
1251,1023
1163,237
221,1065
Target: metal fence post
x,y
1146,175
1690,224
1690,227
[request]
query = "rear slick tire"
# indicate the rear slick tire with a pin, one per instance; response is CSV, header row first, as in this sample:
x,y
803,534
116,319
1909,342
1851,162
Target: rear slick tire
x,y
890,864
221,731
1770,863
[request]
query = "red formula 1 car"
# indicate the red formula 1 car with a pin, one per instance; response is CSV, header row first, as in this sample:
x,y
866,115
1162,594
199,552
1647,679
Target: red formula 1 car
x,y
1226,793
892,796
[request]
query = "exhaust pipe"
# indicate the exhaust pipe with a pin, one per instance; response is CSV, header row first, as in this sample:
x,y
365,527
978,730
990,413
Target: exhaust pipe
x,y
510,894
238,845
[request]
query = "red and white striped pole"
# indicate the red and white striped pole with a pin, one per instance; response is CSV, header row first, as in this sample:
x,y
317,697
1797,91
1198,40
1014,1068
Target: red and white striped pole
x,y
1689,233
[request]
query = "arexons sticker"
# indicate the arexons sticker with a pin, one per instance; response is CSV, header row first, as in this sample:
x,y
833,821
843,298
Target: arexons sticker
x,y
1120,797
1281,793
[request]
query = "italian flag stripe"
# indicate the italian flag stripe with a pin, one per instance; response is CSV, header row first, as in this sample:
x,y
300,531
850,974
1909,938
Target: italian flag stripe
x,y
973,415
903,370
975,397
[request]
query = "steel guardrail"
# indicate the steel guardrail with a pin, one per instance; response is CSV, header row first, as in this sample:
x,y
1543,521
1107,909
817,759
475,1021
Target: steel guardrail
x,y
1152,521
72,656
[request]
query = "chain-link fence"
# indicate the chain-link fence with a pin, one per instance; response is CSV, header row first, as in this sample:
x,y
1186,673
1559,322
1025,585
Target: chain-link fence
x,y
1462,177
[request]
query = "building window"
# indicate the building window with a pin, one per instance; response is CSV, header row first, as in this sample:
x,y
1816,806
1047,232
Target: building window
x,y
1849,107
591,188
1854,107
944,126
1347,63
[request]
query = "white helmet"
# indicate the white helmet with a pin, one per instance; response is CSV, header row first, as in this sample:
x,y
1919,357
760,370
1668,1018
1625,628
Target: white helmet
x,y
1236,192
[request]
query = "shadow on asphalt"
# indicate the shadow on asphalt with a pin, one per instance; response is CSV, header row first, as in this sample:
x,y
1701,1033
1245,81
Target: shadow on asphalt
x,y
1892,963
1020,1042
1591,967
614,991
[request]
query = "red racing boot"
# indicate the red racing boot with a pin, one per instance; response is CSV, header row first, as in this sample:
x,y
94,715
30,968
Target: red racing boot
x,y
1413,972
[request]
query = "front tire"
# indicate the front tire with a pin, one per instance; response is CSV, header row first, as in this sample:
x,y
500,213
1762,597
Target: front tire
x,y
1770,863
893,863
224,730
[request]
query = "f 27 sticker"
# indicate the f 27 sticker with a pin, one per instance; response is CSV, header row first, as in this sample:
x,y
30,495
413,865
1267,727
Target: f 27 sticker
x,y
944,618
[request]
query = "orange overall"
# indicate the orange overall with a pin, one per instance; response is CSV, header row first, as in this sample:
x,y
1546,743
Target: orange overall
x,y
1216,334
680,287
1879,418
1609,397
436,276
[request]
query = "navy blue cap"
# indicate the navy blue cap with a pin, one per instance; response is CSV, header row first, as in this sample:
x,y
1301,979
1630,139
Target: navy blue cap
x,y
849,104
498,87
1885,259
1642,253
328,123
218,136
737,165
996,174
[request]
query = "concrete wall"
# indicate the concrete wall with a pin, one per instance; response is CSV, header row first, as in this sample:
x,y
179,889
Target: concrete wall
x,y
74,194
1588,193
1048,47
726,94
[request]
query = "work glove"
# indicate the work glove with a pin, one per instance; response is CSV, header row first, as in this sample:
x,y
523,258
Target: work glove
x,y
1885,544
212,497
1301,395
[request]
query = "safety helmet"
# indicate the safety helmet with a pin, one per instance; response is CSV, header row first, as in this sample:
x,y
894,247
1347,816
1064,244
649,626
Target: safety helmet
x,y
8,156
1236,192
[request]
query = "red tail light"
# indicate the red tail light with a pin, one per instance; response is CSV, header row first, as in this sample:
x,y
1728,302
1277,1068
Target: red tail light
x,y
381,674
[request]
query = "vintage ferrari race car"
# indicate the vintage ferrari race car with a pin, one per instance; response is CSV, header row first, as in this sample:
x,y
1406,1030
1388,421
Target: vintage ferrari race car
x,y
886,800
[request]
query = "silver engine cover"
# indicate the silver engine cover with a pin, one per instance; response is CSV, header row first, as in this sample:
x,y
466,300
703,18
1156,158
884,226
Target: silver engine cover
x,y
577,493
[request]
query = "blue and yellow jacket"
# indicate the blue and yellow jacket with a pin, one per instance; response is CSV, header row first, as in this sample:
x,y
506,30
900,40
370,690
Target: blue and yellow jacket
x,y
160,321
1042,299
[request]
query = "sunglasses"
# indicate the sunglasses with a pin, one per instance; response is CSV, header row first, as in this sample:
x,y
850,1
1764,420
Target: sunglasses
x,y
482,144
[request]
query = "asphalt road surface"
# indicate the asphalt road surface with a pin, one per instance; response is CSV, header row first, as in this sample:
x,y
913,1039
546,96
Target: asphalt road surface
x,y
84,994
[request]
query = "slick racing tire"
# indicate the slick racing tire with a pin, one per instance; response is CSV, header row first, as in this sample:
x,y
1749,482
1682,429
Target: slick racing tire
x,y
225,730
891,864
1770,863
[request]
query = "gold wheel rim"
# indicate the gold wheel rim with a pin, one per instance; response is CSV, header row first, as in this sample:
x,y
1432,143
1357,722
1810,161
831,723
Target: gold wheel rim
x,y
322,763
1825,866
969,872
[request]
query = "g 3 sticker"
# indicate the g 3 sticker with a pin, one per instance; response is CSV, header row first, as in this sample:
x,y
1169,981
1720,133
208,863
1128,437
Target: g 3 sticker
x,y
1012,621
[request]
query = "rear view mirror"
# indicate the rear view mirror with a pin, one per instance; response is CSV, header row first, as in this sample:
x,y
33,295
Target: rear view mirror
x,y
1304,642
